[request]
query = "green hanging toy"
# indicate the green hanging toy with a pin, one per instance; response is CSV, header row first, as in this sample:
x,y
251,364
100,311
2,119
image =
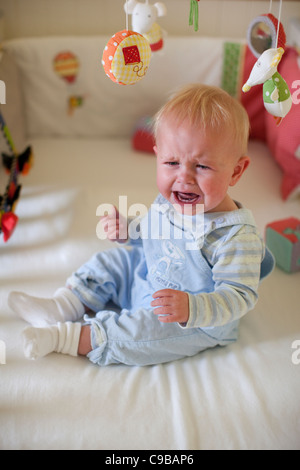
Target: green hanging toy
x,y
194,14
14,164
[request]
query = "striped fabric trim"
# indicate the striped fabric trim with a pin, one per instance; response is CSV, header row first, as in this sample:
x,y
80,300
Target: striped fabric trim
x,y
233,64
236,265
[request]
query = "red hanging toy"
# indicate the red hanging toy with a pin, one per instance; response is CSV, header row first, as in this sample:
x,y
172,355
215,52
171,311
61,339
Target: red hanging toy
x,y
14,164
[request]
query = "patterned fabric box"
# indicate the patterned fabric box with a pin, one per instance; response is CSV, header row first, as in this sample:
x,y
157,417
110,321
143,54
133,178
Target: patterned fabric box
x,y
283,239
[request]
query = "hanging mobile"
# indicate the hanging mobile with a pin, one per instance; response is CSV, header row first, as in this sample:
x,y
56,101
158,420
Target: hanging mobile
x,y
127,55
14,165
276,94
194,14
265,32
144,16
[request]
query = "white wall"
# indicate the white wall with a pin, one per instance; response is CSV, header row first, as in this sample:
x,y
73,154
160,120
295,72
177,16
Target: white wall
x,y
228,18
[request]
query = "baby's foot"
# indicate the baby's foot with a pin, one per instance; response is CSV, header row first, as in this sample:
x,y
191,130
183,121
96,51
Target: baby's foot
x,y
39,312
62,338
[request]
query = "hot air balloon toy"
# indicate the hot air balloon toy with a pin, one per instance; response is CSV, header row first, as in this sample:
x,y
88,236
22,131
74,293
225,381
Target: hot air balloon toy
x,y
66,65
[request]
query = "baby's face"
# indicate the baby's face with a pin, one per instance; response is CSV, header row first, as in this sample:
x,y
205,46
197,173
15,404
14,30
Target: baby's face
x,y
196,167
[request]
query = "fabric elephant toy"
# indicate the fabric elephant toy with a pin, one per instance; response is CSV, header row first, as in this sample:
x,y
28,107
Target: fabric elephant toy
x,y
144,16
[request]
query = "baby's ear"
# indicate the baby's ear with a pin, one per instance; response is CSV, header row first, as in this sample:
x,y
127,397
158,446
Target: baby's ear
x,y
239,169
155,150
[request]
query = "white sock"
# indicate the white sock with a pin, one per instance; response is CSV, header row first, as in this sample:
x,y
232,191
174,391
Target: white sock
x,y
39,312
61,338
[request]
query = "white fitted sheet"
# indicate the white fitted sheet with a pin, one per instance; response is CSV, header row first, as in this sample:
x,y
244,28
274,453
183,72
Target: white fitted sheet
x,y
244,396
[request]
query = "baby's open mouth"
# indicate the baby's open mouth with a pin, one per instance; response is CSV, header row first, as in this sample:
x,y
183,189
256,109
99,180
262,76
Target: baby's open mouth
x,y
187,198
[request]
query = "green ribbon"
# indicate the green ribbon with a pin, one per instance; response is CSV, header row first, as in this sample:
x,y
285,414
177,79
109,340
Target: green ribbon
x,y
194,14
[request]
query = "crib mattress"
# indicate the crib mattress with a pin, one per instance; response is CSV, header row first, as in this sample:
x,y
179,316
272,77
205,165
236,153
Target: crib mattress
x,y
244,396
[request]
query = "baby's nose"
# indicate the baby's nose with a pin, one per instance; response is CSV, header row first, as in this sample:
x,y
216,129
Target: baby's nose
x,y
186,175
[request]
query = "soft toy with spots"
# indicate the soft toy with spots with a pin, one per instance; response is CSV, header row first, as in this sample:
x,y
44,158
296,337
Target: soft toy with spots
x,y
126,57
276,95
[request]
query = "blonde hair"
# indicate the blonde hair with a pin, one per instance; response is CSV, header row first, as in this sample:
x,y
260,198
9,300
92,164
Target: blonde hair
x,y
209,108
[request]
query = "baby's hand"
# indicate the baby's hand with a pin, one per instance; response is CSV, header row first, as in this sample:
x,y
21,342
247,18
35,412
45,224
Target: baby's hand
x,y
115,226
171,305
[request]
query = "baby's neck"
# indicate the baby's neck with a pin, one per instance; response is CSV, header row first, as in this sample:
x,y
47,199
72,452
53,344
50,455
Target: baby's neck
x,y
227,205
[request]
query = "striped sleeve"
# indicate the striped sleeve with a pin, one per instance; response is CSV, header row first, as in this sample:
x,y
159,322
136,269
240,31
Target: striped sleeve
x,y
236,263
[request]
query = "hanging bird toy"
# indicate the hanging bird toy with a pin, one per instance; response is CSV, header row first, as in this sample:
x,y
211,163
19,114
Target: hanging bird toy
x,y
276,94
14,164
